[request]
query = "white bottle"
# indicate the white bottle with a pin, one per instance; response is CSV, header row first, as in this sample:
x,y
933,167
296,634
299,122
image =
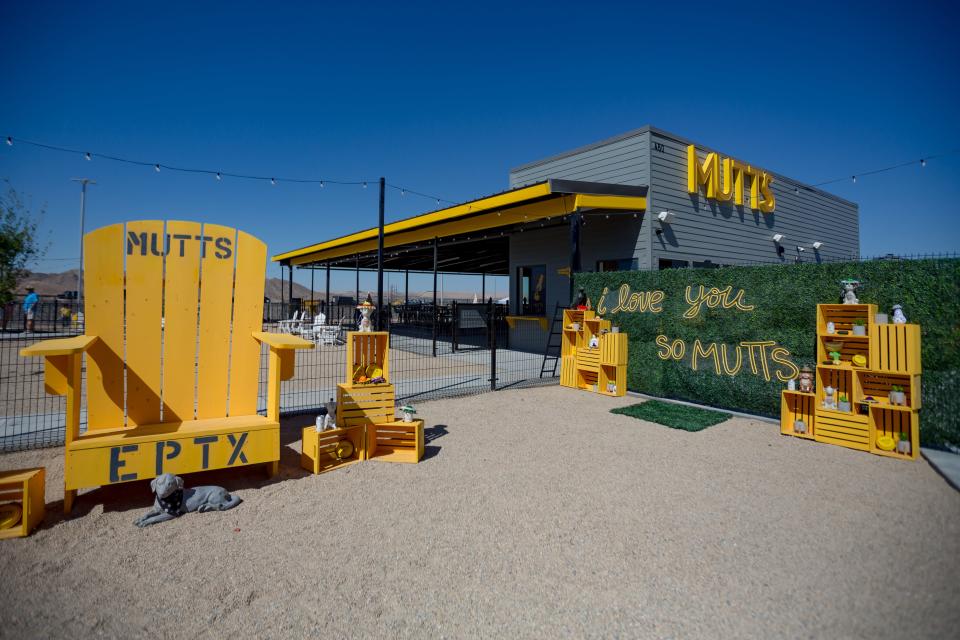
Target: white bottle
x,y
831,328
791,385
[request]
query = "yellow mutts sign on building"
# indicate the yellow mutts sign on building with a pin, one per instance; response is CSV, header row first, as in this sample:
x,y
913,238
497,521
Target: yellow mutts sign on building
x,y
707,175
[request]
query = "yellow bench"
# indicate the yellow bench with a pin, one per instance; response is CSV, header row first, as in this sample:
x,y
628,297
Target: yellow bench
x,y
173,314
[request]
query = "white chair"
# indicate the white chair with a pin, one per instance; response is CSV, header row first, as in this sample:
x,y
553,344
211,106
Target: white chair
x,y
293,324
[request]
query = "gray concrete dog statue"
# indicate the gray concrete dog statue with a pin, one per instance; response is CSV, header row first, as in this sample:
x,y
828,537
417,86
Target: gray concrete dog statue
x,y
173,500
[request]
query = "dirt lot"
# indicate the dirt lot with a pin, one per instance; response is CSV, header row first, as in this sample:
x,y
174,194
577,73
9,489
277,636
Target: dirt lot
x,y
536,513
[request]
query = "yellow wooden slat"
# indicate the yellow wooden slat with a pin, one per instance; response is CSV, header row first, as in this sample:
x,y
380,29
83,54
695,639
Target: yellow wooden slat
x,y
251,256
216,292
143,318
103,251
181,300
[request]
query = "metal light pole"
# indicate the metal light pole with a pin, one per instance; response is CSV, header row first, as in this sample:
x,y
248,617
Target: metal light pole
x,y
83,212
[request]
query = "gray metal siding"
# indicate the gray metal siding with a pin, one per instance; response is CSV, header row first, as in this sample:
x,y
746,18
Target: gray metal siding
x,y
622,160
704,229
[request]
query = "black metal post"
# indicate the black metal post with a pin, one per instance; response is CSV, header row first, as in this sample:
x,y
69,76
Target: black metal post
x,y
282,301
312,270
357,298
483,286
575,266
380,315
327,304
492,332
435,244
290,285
406,287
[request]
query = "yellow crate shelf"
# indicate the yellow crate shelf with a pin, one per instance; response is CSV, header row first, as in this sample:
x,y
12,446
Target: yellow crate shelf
x,y
568,371
892,354
797,405
615,375
25,488
367,351
364,404
319,453
395,441
613,349
585,367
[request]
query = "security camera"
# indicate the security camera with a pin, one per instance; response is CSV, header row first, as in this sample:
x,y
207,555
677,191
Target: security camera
x,y
817,244
799,248
777,237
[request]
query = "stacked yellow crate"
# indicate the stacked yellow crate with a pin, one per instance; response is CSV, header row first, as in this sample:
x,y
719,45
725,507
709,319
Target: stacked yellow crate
x,y
862,366
366,425
591,357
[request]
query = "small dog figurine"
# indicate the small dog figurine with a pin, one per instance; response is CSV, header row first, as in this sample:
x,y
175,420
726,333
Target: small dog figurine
x,y
173,500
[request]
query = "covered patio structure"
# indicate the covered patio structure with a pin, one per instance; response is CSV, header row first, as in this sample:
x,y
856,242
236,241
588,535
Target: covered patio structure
x,y
485,237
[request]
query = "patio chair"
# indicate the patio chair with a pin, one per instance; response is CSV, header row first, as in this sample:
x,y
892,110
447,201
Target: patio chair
x,y
146,415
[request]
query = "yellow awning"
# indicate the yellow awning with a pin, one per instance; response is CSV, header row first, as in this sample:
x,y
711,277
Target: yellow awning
x,y
526,204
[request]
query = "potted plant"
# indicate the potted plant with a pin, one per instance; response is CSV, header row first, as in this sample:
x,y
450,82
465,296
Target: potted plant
x,y
408,412
800,426
835,355
859,327
843,404
897,396
903,445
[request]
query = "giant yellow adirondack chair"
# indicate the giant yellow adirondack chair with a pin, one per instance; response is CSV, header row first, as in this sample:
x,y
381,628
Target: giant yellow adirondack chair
x,y
173,332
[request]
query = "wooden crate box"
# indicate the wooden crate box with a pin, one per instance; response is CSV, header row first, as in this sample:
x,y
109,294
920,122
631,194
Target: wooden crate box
x,y
395,441
895,348
364,404
568,371
843,317
796,405
319,448
892,422
367,351
616,374
25,487
613,349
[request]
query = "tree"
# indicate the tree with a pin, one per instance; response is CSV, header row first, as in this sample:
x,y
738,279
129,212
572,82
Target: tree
x,y
18,241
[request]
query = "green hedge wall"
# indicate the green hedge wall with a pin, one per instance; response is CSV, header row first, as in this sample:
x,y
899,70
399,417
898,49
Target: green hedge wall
x,y
784,298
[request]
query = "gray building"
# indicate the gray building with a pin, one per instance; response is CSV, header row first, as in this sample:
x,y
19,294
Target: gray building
x,y
699,231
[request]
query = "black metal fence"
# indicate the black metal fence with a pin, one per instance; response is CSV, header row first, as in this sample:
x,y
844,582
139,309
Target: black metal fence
x,y
435,352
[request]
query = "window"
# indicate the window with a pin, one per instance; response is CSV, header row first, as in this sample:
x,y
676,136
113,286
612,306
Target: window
x,y
532,290
706,264
666,263
623,264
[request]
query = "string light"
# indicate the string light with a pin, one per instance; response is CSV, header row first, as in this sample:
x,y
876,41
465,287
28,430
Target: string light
x,y
854,179
87,156
923,162
219,177
364,185
9,141
321,184
156,168
273,181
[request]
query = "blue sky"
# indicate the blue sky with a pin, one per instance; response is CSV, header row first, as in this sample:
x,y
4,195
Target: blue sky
x,y
445,99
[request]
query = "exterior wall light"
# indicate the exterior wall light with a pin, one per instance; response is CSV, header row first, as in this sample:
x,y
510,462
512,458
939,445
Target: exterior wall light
x,y
665,217
777,237
817,244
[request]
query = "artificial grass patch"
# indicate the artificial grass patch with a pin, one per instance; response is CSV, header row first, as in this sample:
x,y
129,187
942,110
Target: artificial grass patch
x,y
675,416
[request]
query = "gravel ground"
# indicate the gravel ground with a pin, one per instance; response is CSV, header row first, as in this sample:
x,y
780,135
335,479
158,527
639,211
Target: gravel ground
x,y
536,513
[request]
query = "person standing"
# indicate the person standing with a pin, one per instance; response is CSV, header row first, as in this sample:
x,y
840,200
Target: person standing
x,y
29,308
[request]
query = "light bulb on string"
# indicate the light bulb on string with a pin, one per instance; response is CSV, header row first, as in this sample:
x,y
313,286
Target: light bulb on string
x,y
9,141
156,168
219,177
273,181
321,184
923,162
364,185
87,156
854,179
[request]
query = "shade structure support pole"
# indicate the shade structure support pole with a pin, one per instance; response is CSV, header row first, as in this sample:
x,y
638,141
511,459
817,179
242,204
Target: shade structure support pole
x,y
436,242
290,284
380,313
406,287
575,266
357,297
326,304
312,273
483,287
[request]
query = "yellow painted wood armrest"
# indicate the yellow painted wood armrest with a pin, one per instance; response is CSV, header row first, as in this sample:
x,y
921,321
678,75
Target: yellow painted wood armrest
x,y
59,346
282,340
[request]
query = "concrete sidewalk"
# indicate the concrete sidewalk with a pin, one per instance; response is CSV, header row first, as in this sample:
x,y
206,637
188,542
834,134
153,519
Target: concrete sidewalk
x,y
946,463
